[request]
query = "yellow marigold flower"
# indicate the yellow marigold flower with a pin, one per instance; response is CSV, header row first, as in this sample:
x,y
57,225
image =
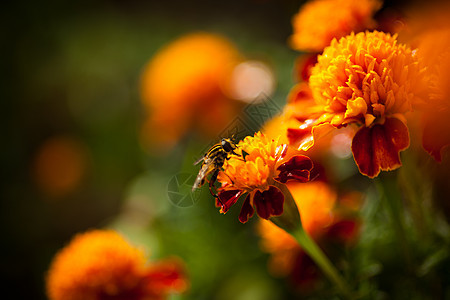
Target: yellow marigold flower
x,y
257,167
100,265
184,86
370,80
320,21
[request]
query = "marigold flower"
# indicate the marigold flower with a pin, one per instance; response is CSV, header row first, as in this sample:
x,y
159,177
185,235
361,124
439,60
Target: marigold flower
x,y
319,208
370,80
434,50
100,265
259,166
320,21
184,87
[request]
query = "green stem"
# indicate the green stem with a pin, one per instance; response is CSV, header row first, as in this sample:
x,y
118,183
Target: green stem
x,y
310,247
411,190
387,184
290,222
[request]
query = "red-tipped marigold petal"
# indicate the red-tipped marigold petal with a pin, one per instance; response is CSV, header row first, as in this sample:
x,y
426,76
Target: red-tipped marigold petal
x,y
228,198
297,168
378,148
247,210
269,203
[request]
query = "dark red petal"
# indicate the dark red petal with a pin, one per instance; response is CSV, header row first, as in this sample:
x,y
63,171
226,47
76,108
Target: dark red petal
x,y
297,168
228,198
269,203
247,210
343,230
378,147
436,133
304,65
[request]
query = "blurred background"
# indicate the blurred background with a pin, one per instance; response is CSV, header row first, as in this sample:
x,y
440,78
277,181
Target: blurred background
x,y
71,157
74,156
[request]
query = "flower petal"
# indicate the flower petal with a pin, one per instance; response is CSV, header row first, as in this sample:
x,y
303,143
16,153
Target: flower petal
x,y
228,198
304,64
300,137
377,148
166,276
297,168
247,210
436,133
343,230
269,203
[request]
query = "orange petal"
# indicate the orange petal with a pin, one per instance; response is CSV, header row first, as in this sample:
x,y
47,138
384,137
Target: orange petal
x,y
377,148
356,107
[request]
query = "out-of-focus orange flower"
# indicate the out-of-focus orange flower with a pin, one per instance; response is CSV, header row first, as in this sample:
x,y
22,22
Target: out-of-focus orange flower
x,y
185,85
315,202
320,21
321,217
60,165
101,265
260,165
370,80
434,50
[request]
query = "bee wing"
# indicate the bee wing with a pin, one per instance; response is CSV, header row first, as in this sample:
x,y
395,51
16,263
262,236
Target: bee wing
x,y
200,177
207,167
199,160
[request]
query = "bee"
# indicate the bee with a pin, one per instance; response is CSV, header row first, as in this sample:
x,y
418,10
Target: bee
x,y
213,162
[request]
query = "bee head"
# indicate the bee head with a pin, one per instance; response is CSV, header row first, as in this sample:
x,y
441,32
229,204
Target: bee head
x,y
227,145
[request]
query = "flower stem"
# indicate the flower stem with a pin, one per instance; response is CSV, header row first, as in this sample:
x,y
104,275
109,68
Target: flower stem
x,y
388,187
317,255
290,222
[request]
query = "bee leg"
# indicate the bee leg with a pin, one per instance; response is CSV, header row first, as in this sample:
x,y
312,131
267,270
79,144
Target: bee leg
x,y
211,186
244,154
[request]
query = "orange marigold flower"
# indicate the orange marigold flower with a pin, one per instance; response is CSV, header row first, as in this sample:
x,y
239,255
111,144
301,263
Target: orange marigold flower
x,y
259,166
320,21
185,87
101,265
434,49
366,79
319,208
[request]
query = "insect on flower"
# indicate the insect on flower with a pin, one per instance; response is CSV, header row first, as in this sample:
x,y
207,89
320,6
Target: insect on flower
x,y
213,161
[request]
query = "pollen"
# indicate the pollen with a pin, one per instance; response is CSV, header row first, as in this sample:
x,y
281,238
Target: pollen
x,y
365,77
